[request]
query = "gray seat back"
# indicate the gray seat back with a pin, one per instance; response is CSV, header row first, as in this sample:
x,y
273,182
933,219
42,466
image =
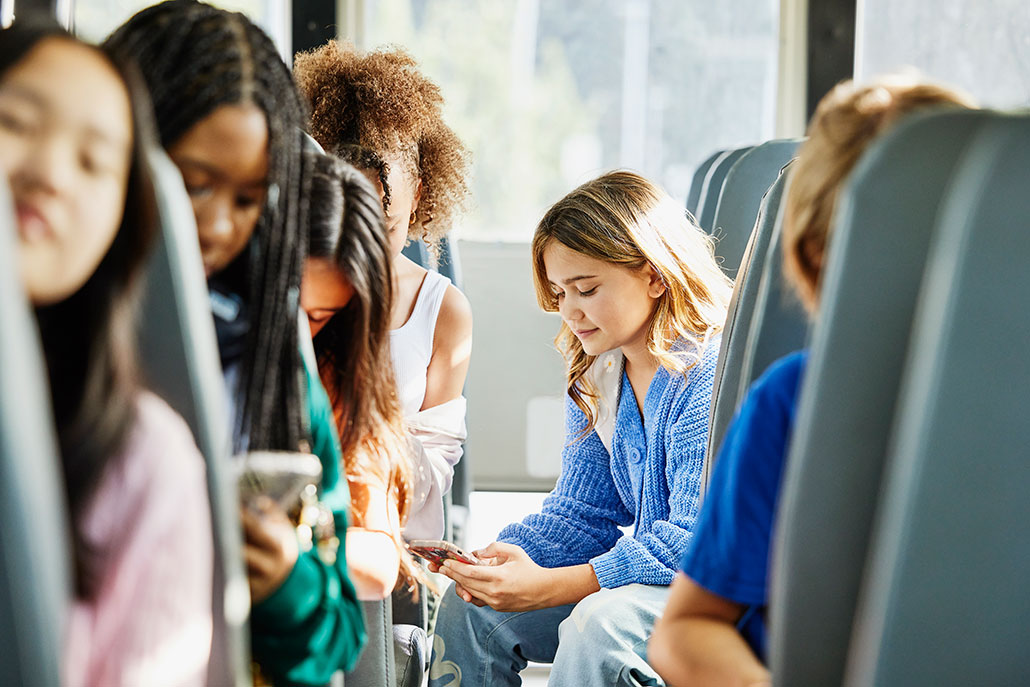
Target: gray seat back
x,y
35,582
946,600
712,188
780,324
734,348
376,664
883,226
698,180
742,191
179,354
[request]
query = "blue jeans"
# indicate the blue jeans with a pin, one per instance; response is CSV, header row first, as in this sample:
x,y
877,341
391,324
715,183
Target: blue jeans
x,y
602,640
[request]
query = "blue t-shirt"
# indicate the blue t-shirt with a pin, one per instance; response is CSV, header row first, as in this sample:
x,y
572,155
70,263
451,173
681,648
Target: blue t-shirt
x,y
729,554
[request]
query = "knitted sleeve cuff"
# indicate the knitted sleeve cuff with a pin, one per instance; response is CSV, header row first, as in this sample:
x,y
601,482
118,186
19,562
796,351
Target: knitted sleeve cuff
x,y
613,568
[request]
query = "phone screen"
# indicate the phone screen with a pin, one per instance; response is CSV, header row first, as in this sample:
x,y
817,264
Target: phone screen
x,y
438,552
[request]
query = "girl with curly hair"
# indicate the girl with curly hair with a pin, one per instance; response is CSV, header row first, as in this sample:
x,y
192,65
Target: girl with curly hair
x,y
378,112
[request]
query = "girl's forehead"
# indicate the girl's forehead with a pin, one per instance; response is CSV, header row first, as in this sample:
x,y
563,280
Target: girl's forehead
x,y
560,261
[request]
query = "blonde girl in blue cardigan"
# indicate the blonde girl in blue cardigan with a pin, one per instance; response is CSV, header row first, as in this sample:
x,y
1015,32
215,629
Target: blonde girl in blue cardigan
x,y
642,302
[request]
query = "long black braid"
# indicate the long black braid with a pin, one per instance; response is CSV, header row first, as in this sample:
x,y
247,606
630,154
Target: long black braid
x,y
195,58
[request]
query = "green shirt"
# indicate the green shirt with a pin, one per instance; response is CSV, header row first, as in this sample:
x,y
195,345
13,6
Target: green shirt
x,y
312,625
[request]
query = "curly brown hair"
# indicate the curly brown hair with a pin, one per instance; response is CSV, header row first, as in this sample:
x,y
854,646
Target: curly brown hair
x,y
365,107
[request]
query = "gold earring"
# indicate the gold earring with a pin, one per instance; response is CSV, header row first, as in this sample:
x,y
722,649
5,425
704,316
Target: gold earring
x,y
413,218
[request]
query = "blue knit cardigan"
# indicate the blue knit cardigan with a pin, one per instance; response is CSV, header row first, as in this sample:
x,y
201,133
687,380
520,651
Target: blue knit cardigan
x,y
594,496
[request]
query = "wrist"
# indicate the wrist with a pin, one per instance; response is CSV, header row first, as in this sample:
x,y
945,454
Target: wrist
x,y
572,584
551,584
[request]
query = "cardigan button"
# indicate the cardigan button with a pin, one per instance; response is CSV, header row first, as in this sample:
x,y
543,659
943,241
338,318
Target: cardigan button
x,y
635,455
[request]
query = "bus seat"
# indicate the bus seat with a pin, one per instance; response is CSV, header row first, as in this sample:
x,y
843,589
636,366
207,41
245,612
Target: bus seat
x,y
883,226
376,666
712,187
698,180
35,569
417,252
945,601
734,345
179,356
511,335
780,324
740,197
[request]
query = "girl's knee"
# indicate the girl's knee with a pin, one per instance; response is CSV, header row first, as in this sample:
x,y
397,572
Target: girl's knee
x,y
608,618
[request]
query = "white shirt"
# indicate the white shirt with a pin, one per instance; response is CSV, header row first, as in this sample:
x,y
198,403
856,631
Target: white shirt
x,y
437,433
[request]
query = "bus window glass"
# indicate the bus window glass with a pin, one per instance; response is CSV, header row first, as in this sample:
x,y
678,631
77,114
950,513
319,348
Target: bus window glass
x,y
94,19
982,47
548,94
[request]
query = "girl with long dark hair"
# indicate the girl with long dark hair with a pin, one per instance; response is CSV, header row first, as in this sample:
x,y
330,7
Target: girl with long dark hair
x,y
71,140
230,118
347,292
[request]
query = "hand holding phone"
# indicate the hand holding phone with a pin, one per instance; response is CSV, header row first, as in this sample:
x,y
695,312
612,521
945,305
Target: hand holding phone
x,y
437,551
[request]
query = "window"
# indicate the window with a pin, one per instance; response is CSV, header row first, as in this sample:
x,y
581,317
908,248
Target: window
x,y
95,19
982,47
547,95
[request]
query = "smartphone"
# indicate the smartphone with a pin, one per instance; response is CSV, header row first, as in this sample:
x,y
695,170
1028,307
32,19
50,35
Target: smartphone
x,y
279,475
437,551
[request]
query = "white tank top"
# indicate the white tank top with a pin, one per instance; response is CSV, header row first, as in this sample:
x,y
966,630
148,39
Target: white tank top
x,y
411,345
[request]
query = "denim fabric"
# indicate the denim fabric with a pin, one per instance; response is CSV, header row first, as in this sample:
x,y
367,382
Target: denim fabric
x,y
602,640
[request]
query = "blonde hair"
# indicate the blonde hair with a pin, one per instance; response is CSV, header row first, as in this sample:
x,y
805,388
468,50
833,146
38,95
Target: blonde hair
x,y
623,219
846,120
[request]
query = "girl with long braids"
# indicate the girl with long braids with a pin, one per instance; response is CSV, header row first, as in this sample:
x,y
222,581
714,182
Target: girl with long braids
x,y
231,120
347,291
379,113
71,142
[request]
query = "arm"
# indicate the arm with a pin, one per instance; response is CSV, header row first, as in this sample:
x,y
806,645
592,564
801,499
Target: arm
x,y
696,641
312,625
372,555
452,349
726,564
511,581
438,431
581,517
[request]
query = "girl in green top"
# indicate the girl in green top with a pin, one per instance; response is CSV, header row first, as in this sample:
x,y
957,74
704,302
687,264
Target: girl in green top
x,y
229,117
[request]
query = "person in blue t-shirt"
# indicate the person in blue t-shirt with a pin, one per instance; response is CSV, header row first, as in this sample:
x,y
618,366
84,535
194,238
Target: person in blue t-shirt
x,y
713,630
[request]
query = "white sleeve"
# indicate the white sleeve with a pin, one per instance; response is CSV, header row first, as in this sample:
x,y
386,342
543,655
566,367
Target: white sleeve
x,y
436,436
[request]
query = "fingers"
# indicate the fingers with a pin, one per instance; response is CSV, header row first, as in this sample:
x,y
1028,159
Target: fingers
x,y
268,532
270,510
257,562
498,553
465,596
499,549
456,569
